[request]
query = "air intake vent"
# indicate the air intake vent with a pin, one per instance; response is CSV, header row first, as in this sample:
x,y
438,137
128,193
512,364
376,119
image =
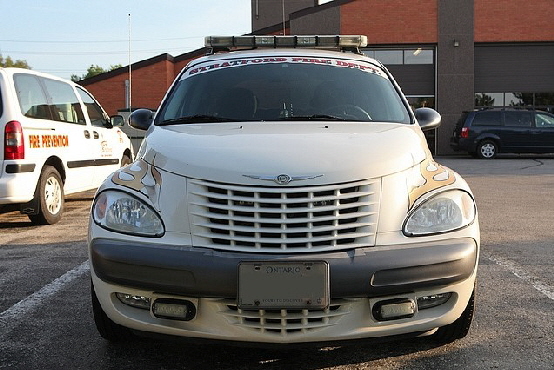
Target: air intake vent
x,y
284,219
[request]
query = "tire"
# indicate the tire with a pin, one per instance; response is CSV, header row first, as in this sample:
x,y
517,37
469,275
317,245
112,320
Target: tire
x,y
125,160
108,329
487,149
459,328
50,197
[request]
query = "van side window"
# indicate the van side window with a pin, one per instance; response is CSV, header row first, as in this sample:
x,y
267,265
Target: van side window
x,y
95,112
64,104
487,119
518,119
32,99
544,120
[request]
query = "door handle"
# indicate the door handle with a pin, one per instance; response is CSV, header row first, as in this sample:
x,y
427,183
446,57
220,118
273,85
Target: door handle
x,y
87,134
96,135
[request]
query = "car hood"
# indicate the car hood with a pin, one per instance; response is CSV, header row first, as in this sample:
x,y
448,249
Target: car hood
x,y
250,152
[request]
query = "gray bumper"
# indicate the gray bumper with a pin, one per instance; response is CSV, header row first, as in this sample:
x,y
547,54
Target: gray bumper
x,y
365,272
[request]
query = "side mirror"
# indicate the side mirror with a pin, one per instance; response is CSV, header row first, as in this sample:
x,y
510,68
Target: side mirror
x,y
427,118
117,121
141,119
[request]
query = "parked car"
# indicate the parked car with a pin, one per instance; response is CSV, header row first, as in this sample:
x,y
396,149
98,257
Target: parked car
x,y
284,193
487,132
55,140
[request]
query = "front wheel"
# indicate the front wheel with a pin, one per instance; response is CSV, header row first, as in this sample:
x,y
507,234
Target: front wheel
x,y
106,327
487,149
459,328
50,197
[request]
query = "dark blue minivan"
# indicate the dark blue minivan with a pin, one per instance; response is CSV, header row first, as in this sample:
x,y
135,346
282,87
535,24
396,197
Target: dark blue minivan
x,y
487,132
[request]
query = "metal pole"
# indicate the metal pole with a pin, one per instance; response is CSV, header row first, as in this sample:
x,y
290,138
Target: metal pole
x,y
130,85
283,3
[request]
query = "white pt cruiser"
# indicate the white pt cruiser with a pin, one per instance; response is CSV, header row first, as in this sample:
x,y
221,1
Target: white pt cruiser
x,y
284,194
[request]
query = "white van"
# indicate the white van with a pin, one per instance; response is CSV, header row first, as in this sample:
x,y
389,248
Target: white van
x,y
55,139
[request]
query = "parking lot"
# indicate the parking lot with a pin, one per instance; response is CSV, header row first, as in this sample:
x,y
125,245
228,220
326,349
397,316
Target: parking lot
x,y
46,318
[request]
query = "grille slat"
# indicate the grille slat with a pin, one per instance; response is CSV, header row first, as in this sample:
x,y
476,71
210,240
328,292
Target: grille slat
x,y
266,219
281,322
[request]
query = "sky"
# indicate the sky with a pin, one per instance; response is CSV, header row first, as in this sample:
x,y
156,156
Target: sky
x,y
65,37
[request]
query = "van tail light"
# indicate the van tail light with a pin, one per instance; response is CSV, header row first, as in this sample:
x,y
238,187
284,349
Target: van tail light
x,y
13,141
465,133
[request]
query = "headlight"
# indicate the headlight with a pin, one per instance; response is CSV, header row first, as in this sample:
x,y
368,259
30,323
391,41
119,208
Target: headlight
x,y
446,211
124,213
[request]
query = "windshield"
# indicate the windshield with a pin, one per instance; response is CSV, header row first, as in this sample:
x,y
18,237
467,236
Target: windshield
x,y
283,88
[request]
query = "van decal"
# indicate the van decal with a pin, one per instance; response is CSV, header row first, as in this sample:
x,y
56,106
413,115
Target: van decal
x,y
297,60
48,141
435,176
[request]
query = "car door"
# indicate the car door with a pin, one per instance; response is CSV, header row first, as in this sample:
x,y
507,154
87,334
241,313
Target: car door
x,y
544,131
517,135
107,140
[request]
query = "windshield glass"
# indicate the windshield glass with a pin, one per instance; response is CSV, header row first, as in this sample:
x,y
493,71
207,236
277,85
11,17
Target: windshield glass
x,y
283,88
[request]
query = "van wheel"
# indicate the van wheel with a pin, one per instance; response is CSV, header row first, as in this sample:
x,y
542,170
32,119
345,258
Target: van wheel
x,y
487,149
50,197
106,327
459,328
125,160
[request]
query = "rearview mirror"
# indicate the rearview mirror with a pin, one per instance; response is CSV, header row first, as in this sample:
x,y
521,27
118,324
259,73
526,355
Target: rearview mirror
x,y
427,118
117,121
141,119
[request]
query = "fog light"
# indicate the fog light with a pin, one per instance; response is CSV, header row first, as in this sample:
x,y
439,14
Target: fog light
x,y
393,309
134,300
175,309
432,300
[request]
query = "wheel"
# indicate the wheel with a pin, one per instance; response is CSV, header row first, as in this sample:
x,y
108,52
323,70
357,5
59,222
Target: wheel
x,y
459,328
106,327
487,149
50,197
348,111
125,160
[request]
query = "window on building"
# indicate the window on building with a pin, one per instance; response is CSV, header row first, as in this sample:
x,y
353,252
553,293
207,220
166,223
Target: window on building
x,y
541,101
402,56
418,56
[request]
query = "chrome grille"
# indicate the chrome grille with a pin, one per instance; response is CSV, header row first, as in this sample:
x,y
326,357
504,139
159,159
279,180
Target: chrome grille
x,y
284,322
284,219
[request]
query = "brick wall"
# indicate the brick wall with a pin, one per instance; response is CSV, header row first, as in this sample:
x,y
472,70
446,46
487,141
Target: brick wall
x,y
391,22
149,84
514,20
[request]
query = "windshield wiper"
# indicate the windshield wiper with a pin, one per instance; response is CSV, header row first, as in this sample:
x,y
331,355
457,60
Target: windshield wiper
x,y
314,117
197,118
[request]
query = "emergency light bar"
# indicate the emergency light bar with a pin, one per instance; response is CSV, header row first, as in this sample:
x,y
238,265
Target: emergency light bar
x,y
331,41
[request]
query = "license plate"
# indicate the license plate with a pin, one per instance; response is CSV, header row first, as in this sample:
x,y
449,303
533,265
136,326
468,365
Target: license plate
x,y
283,285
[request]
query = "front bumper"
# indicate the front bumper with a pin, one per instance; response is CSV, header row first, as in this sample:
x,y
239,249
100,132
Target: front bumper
x,y
359,280
205,273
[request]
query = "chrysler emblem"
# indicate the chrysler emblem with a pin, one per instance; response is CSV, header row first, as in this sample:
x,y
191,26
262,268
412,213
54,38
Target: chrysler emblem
x,y
282,179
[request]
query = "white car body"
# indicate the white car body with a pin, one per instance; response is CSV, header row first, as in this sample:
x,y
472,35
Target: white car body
x,y
282,232
56,134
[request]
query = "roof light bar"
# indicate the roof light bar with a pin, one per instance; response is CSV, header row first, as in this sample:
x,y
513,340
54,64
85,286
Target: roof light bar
x,y
325,41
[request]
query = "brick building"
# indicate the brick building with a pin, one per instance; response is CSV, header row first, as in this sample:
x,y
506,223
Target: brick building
x,y
450,55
